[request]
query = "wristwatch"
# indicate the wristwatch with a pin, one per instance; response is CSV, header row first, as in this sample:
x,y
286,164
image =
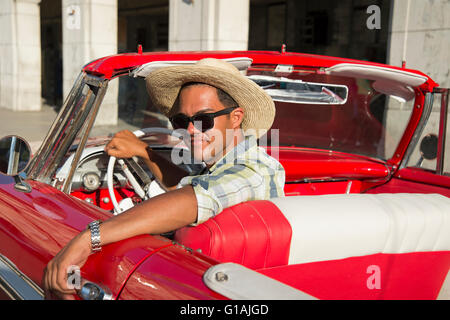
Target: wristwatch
x,y
94,227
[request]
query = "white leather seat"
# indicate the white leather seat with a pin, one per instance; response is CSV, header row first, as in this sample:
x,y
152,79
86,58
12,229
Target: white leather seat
x,y
330,227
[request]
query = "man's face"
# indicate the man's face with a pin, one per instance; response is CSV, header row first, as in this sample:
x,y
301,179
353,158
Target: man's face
x,y
209,145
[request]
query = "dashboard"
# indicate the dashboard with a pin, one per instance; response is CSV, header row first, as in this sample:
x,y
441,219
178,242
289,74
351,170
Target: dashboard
x,y
90,174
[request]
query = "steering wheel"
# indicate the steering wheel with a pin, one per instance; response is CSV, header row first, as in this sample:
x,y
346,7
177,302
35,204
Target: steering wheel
x,y
149,184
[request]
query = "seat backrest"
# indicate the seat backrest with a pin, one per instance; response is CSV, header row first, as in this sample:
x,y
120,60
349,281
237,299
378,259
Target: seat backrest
x,y
329,227
303,229
255,234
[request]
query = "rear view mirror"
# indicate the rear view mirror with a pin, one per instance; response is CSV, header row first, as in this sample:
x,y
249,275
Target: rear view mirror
x,y
15,154
428,146
301,92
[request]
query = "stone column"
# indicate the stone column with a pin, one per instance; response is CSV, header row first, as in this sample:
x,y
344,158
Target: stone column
x,y
208,24
419,35
20,55
89,33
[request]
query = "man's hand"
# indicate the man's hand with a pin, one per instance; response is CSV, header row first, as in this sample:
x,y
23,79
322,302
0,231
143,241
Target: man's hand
x,y
125,144
75,253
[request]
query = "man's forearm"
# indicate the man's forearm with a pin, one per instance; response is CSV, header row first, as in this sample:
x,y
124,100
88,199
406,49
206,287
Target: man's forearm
x,y
166,212
160,214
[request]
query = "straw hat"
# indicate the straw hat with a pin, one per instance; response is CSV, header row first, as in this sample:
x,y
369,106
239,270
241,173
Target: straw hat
x,y
163,86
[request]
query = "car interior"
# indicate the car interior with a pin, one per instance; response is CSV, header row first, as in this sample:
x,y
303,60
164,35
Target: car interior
x,y
325,216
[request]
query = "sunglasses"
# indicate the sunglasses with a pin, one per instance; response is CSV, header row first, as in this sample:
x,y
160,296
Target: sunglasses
x,y
202,121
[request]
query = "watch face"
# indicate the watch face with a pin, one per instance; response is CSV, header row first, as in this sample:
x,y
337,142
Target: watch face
x,y
91,181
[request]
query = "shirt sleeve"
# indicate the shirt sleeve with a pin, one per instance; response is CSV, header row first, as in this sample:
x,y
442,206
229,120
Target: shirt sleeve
x,y
232,185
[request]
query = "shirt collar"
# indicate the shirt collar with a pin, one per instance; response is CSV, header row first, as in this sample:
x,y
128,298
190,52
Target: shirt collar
x,y
241,148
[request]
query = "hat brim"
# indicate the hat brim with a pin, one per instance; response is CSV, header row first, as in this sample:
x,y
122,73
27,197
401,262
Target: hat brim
x,y
163,86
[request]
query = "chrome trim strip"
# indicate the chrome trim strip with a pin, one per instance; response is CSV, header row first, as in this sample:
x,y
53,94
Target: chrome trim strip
x,y
90,119
428,106
16,284
442,129
12,155
237,282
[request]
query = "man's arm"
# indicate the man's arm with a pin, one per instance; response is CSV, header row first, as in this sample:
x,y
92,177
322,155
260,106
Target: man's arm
x,y
163,213
125,144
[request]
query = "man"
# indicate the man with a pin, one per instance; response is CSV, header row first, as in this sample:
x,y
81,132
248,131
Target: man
x,y
216,105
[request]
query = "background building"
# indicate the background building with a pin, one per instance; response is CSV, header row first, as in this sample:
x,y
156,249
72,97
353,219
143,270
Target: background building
x,y
50,40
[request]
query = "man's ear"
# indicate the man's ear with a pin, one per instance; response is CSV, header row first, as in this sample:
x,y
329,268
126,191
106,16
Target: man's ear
x,y
237,116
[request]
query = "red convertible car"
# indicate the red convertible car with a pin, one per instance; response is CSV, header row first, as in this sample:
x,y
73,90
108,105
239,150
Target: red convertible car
x,y
366,213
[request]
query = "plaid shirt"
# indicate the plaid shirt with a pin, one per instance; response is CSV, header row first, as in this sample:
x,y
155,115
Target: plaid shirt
x,y
245,173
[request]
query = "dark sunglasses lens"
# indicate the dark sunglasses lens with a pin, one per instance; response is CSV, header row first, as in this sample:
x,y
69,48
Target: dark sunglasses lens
x,y
205,122
180,121
202,122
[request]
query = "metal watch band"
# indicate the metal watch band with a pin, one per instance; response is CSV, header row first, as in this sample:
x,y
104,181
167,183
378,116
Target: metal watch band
x,y
94,227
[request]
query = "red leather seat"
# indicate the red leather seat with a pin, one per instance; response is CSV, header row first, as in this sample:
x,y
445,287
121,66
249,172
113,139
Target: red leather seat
x,y
255,234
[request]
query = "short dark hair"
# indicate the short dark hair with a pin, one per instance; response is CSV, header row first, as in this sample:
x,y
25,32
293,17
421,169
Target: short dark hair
x,y
226,99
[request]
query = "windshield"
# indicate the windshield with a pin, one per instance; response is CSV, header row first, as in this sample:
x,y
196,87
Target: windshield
x,y
317,110
313,110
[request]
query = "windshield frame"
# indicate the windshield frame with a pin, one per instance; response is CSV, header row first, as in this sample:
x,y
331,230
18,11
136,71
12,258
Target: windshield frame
x,y
75,118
